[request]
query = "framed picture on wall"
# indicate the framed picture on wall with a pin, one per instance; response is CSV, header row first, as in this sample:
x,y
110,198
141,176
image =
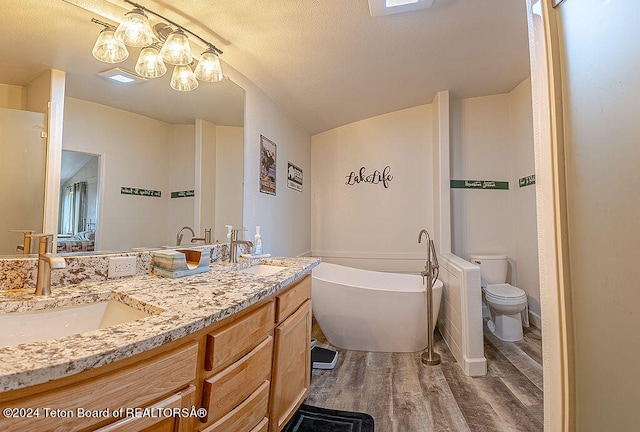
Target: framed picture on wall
x,y
294,177
267,166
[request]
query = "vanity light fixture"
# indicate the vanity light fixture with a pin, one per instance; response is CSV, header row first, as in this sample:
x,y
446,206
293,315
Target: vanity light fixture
x,y
136,31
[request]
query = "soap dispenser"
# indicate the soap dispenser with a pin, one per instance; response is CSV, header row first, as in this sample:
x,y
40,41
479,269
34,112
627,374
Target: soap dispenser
x,y
258,241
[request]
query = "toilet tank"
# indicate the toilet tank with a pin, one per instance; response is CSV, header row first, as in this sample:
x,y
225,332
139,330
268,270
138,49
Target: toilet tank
x,y
493,268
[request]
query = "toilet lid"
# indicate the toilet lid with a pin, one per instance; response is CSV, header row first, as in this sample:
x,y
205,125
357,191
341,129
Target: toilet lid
x,y
504,291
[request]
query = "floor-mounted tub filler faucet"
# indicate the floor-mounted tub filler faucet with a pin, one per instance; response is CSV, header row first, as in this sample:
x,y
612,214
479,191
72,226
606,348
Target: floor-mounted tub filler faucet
x,y
179,235
47,261
430,272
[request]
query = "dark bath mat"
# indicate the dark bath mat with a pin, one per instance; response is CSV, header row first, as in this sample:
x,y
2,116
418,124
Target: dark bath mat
x,y
314,419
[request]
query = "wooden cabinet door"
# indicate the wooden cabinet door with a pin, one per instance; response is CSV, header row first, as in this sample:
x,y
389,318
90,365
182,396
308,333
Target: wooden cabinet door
x,y
291,366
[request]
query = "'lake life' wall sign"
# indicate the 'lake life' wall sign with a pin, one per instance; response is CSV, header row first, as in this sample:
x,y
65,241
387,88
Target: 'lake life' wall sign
x,y
383,177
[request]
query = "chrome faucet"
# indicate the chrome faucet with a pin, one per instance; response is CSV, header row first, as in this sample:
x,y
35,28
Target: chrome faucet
x,y
206,239
233,252
431,266
26,244
47,262
179,235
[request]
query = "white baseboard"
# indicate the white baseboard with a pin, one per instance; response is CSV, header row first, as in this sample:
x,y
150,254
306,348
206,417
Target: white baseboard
x,y
535,319
475,366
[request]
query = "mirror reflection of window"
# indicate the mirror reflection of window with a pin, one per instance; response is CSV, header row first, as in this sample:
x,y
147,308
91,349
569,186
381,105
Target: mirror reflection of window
x,y
78,214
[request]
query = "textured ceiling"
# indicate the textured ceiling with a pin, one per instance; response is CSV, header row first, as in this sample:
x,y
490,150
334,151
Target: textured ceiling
x,y
325,62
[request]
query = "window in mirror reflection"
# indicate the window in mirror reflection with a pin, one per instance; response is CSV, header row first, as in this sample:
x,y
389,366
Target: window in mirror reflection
x,y
78,216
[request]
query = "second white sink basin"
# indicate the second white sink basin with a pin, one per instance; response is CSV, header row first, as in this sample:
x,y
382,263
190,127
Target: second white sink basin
x,y
46,324
262,269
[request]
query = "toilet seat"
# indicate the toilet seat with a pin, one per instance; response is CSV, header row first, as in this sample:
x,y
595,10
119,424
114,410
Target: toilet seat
x,y
504,294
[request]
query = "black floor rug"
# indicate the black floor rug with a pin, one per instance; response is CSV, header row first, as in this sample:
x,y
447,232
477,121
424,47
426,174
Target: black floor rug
x,y
314,419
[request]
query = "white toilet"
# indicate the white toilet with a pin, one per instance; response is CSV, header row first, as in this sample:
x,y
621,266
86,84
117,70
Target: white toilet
x,y
505,301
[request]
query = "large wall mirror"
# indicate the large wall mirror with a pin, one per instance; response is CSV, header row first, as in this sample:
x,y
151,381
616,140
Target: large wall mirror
x,y
139,161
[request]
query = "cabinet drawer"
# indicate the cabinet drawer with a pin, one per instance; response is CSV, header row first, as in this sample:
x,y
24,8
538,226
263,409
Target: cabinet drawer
x,y
157,422
290,300
227,389
263,426
129,387
246,415
233,341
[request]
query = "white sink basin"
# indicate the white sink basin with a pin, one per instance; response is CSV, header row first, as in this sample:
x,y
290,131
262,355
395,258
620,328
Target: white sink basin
x,y
47,324
262,269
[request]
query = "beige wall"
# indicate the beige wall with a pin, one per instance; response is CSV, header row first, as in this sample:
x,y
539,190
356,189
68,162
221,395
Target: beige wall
x,y
285,218
601,90
137,152
229,177
367,225
524,250
13,97
22,167
492,139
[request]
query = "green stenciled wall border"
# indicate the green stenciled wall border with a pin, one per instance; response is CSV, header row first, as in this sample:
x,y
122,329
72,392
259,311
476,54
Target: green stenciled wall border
x,y
527,181
479,184
183,194
124,190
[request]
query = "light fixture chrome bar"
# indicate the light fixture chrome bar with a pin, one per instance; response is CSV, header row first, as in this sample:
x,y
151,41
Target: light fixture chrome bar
x,y
105,24
207,43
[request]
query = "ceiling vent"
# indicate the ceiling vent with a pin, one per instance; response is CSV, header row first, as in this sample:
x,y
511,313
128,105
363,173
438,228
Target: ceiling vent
x,y
388,7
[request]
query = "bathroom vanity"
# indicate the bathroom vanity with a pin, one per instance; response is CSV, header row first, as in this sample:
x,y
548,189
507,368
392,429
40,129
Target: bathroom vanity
x,y
227,350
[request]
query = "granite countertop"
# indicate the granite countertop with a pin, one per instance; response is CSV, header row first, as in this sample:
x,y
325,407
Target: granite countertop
x,y
179,307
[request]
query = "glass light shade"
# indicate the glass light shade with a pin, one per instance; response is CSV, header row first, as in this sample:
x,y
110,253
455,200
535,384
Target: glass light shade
x,y
183,79
209,69
176,49
150,64
109,49
135,30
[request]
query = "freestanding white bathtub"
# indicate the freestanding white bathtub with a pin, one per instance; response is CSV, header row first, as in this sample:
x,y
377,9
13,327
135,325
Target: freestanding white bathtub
x,y
366,310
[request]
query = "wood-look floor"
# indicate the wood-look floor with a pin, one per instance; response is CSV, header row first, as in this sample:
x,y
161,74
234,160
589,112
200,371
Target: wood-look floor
x,y
403,395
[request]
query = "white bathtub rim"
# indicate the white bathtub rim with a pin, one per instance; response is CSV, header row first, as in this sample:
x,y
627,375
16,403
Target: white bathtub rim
x,y
314,274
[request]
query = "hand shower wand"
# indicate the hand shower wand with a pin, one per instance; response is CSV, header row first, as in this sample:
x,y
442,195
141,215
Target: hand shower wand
x,y
431,271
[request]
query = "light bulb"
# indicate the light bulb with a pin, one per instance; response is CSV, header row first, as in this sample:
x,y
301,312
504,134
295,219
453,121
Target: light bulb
x,y
109,49
176,49
183,79
135,30
150,64
209,69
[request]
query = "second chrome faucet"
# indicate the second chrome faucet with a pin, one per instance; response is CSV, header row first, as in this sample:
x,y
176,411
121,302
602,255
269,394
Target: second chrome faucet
x,y
233,246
